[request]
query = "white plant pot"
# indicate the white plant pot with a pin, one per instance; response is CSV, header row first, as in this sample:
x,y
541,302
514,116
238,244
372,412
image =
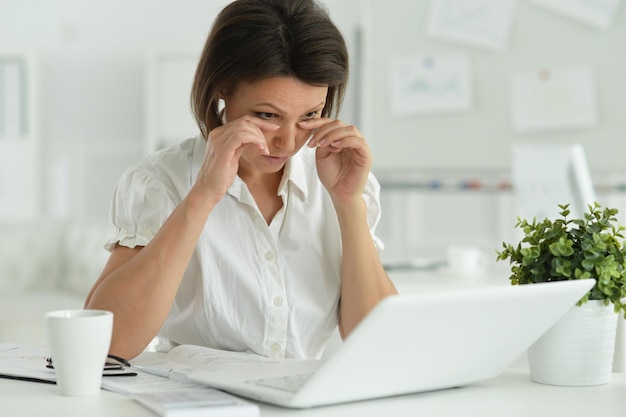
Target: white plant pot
x,y
578,350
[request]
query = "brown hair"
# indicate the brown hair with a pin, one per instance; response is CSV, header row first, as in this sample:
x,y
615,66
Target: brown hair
x,y
252,40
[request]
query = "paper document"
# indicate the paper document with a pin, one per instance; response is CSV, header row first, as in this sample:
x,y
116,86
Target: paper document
x,y
430,83
597,13
483,23
28,363
19,361
553,98
197,401
187,359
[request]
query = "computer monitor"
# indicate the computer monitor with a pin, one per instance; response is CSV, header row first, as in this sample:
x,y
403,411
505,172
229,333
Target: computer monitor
x,y
546,175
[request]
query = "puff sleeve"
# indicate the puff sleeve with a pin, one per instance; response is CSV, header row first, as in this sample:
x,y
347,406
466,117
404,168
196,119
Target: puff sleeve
x,y
139,207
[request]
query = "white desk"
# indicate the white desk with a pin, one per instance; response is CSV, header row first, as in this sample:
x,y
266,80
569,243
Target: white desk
x,y
512,394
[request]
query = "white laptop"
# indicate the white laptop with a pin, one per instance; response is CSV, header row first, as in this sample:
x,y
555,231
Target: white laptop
x,y
412,343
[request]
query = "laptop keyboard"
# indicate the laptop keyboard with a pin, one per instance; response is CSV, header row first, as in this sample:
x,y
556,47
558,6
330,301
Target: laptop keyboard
x,y
289,383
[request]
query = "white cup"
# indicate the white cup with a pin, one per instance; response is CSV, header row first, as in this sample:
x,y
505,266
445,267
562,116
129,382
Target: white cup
x,y
79,342
466,260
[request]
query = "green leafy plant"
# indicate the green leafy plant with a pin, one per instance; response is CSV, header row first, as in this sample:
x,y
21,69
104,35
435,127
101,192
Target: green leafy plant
x,y
567,249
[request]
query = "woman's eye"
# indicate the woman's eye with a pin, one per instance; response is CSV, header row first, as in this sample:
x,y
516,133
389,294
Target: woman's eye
x,y
266,116
310,115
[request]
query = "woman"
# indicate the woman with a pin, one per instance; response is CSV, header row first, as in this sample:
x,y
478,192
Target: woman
x,y
244,238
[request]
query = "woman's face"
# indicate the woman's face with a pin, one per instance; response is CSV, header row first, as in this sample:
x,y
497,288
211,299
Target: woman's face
x,y
284,101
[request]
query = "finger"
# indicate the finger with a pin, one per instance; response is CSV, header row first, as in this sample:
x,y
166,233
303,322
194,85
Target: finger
x,y
239,134
311,124
244,141
325,136
320,128
348,143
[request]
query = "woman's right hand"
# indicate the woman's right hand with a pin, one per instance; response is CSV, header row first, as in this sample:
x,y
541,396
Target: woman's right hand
x,y
140,284
225,145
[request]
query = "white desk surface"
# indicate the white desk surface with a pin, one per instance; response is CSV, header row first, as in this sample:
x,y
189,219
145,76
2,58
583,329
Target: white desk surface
x,y
511,394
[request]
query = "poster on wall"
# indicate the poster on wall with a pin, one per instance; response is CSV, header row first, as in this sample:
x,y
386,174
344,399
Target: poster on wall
x,y
430,83
596,13
482,23
553,98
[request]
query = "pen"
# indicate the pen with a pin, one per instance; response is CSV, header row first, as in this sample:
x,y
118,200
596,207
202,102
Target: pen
x,y
27,378
119,374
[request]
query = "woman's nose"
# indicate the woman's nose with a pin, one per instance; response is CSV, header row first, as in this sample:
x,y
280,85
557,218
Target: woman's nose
x,y
285,136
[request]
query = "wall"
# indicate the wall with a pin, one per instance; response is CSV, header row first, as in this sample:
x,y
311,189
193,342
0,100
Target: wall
x,y
92,87
91,99
481,136
416,153
91,73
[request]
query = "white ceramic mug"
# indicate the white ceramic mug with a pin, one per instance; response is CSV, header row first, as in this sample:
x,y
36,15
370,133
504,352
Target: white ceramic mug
x,y
79,342
466,260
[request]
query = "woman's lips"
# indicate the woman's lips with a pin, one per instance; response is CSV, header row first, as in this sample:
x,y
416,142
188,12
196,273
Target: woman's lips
x,y
277,160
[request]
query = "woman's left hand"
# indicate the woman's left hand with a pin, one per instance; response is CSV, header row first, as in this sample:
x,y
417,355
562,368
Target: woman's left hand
x,y
343,157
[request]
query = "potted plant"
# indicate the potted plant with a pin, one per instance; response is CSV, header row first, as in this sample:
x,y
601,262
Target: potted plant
x,y
566,249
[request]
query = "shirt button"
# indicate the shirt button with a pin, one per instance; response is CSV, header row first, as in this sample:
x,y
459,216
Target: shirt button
x,y
275,348
269,255
278,301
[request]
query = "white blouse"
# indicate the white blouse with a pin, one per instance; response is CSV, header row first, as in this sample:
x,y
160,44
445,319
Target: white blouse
x,y
270,289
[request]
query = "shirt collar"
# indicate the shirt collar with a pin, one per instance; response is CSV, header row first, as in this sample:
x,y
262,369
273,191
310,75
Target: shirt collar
x,y
295,174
